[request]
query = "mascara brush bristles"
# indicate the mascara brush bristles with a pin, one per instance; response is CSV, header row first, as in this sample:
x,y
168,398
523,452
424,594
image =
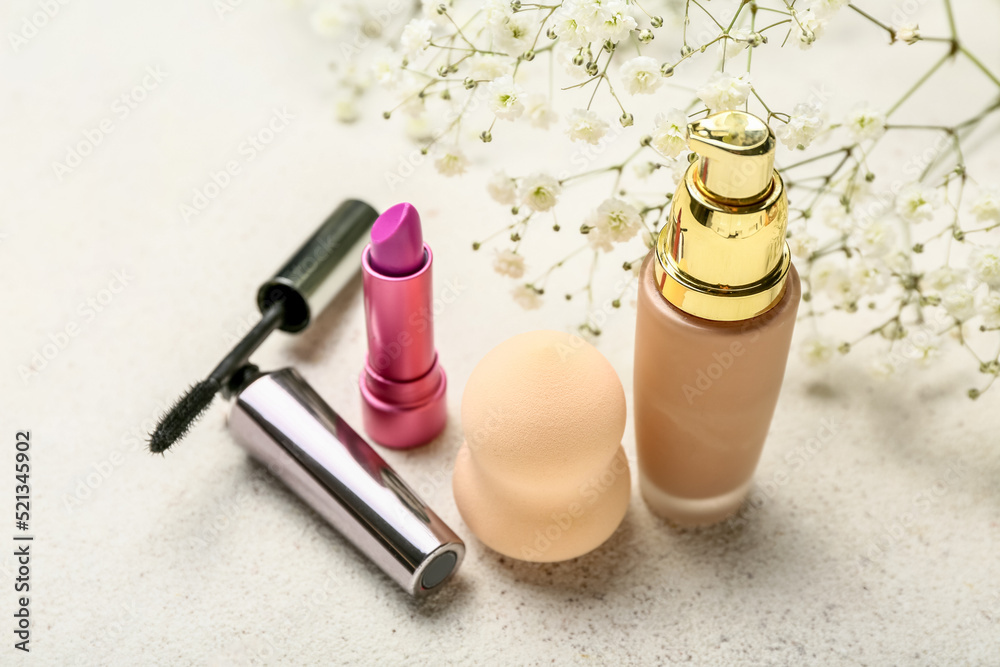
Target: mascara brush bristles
x,y
175,424
178,421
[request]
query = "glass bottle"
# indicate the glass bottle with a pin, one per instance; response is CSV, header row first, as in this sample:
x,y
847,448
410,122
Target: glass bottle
x,y
717,302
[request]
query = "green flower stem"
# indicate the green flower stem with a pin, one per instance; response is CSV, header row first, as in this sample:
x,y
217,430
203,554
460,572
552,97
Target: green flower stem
x,y
978,63
545,276
888,29
920,82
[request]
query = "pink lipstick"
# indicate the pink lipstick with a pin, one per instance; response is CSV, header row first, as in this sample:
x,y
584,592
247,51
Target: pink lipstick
x,y
402,384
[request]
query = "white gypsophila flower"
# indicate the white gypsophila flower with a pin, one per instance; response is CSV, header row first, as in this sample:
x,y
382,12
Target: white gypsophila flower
x,y
833,281
723,91
941,278
416,36
429,8
539,112
737,42
676,168
827,8
985,265
497,11
567,26
833,214
604,20
599,241
512,34
874,239
585,125
959,301
817,350
823,274
488,66
869,278
908,33
865,123
641,75
345,109
527,297
670,133
355,77
989,309
805,123
643,170
386,68
615,221
800,241
330,19
505,98
807,28
539,192
419,128
921,346
566,60
502,188
916,204
986,208
898,261
883,367
451,161
509,263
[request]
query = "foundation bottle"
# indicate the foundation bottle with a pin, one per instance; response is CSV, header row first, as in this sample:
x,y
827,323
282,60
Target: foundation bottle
x,y
716,307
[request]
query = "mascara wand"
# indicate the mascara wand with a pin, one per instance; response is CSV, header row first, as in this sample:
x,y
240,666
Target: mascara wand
x,y
307,282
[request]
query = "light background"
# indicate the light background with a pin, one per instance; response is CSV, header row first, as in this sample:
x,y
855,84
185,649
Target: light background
x,y
196,558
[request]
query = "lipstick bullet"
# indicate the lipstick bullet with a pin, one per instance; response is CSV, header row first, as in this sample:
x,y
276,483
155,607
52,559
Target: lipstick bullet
x,y
402,384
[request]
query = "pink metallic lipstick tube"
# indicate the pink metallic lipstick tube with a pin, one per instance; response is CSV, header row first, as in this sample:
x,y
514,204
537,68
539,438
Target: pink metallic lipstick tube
x,y
402,384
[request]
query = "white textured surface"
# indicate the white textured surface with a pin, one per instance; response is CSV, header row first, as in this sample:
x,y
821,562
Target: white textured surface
x,y
198,559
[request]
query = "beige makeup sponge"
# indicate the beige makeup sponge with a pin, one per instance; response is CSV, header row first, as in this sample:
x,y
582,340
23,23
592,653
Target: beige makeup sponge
x,y
542,475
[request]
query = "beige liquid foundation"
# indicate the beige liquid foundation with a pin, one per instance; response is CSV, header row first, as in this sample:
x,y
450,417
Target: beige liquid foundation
x,y
717,302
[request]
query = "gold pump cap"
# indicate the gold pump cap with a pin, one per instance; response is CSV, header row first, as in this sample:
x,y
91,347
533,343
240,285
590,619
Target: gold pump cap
x,y
721,254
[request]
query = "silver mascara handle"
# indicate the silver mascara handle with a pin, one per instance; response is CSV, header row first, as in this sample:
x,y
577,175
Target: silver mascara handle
x,y
282,422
